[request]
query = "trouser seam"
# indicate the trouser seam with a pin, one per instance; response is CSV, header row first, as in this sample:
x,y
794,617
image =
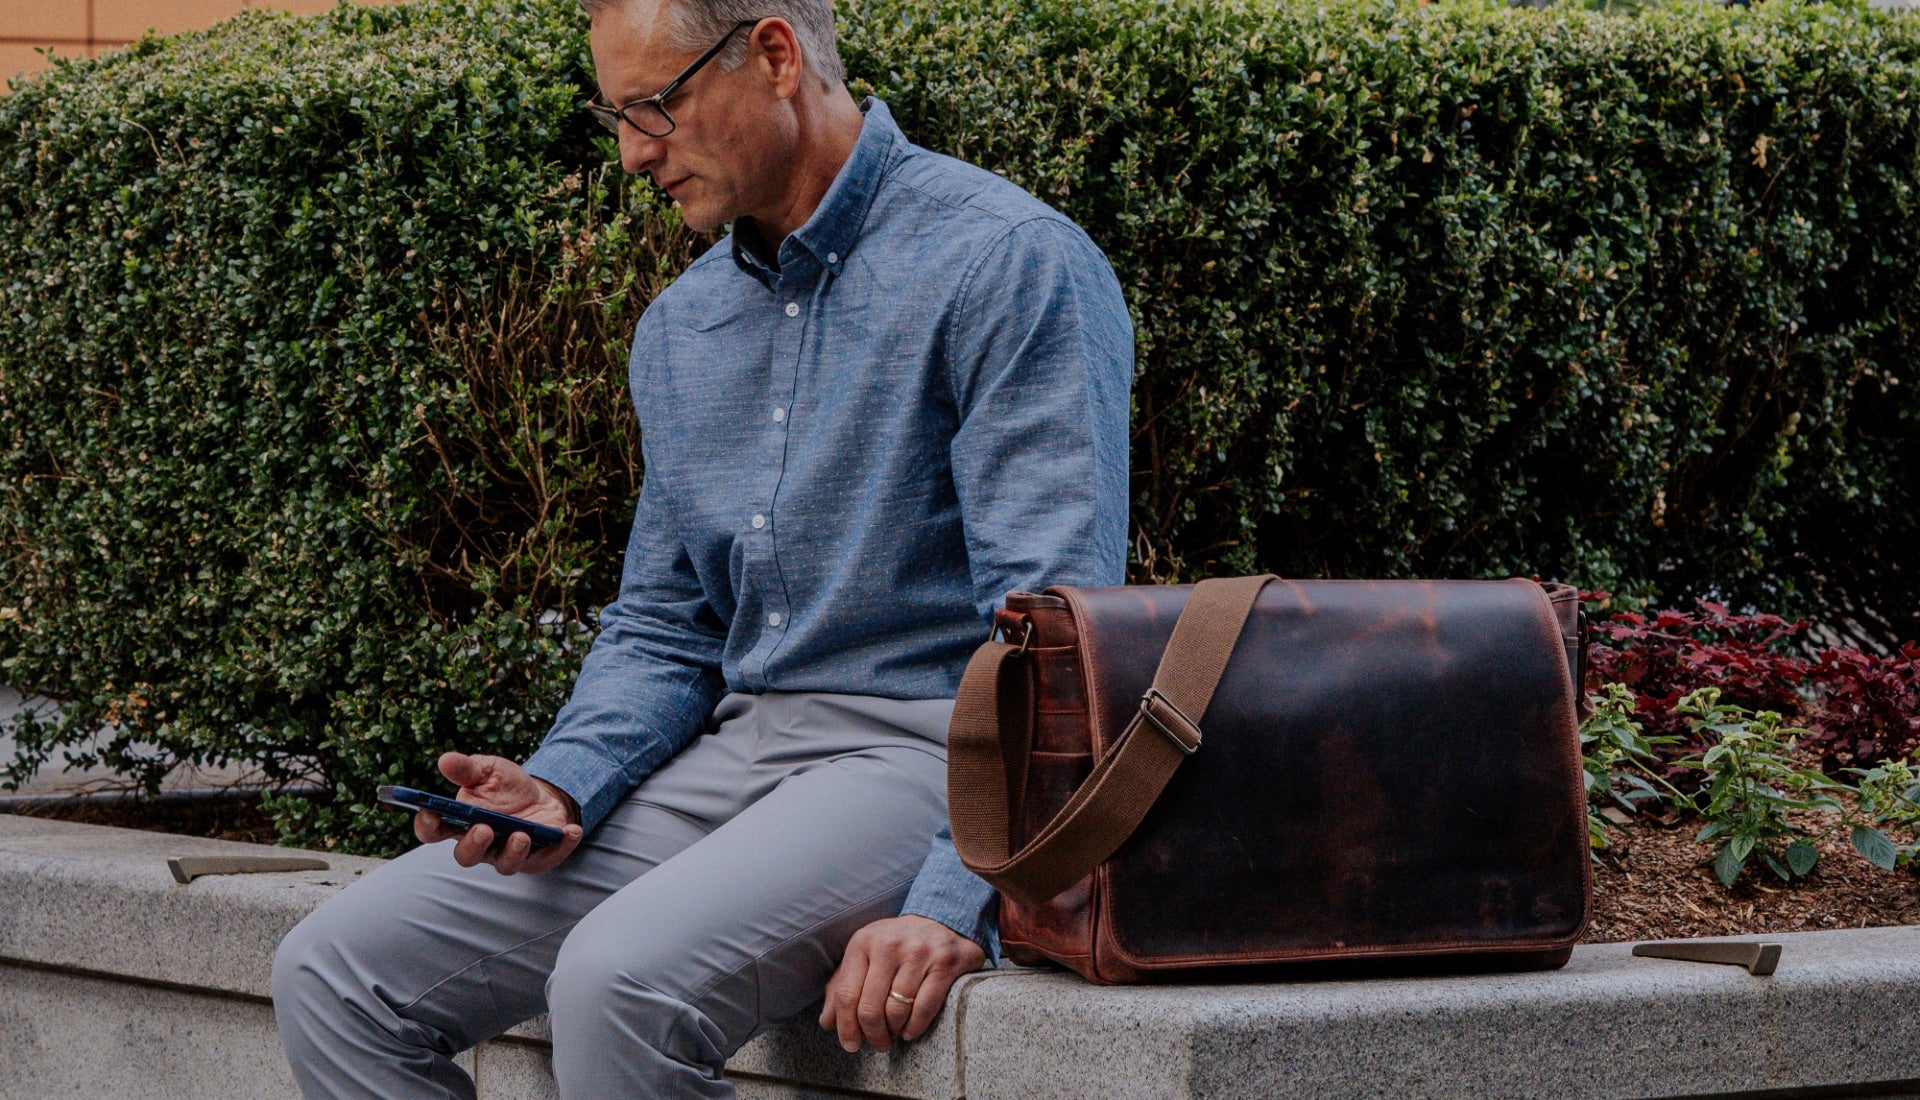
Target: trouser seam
x,y
701,823
502,953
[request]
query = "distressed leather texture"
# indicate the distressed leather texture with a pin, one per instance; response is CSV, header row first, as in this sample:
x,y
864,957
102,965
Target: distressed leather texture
x,y
1389,769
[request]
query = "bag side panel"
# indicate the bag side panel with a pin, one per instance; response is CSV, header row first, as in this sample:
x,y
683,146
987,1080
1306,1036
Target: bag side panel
x,y
1570,615
1060,930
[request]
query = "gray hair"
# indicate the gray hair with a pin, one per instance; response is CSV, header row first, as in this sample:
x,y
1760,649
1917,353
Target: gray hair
x,y
694,25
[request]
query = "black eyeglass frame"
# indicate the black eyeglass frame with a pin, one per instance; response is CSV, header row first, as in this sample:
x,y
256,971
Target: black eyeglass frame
x,y
610,116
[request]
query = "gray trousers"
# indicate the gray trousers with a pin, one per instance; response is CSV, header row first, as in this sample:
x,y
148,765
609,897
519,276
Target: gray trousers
x,y
715,900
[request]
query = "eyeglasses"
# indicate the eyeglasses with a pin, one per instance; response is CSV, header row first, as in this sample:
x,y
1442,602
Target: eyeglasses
x,y
649,115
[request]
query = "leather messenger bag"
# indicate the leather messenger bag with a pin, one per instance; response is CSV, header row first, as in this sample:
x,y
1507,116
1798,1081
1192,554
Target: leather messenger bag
x,y
1257,771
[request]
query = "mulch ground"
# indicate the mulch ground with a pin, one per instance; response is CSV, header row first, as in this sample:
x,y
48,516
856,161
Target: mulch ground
x,y
1652,883
1656,883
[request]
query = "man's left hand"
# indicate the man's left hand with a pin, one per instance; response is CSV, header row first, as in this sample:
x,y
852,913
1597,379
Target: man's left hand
x,y
915,957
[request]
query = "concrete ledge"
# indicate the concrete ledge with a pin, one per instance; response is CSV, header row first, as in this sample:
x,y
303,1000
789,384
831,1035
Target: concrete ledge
x,y
1839,1012
114,980
102,900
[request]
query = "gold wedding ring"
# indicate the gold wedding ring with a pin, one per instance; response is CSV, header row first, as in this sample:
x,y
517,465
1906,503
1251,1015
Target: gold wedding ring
x,y
894,995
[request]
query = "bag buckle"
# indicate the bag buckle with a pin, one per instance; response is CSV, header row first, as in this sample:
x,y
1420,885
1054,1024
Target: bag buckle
x,y
1026,637
1186,737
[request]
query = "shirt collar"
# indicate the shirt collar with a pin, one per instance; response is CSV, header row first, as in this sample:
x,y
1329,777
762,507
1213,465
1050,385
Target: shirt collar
x,y
830,233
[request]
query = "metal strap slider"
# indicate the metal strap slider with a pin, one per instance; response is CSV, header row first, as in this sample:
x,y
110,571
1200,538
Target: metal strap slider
x,y
1170,720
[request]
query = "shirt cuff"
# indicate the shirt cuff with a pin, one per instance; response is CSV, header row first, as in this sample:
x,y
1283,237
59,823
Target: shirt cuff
x,y
595,783
947,892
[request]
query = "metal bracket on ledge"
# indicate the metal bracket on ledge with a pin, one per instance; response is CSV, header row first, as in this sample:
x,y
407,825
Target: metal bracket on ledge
x,y
1760,959
187,868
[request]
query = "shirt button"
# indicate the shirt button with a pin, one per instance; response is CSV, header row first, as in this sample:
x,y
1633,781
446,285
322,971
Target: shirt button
x,y
779,415
833,257
759,521
773,618
793,309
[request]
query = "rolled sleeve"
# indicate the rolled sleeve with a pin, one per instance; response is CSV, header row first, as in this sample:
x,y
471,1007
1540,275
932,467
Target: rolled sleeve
x,y
947,892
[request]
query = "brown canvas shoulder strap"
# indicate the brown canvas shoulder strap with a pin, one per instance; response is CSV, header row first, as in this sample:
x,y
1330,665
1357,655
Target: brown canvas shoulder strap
x,y
992,732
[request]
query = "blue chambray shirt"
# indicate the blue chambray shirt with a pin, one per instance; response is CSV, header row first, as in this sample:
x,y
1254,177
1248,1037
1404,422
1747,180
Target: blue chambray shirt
x,y
850,461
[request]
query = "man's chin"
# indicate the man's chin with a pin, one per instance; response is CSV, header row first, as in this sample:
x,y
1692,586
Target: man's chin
x,y
698,217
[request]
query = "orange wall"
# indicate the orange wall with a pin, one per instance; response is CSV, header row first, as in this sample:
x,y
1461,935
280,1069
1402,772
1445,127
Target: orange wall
x,y
88,28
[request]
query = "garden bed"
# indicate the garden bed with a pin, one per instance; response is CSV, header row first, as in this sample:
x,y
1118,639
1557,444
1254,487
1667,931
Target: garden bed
x,y
1655,882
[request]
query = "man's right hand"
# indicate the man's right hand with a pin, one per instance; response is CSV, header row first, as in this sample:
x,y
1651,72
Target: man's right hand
x,y
500,784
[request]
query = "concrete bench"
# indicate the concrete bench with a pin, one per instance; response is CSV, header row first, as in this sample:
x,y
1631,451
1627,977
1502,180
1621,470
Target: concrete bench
x,y
115,981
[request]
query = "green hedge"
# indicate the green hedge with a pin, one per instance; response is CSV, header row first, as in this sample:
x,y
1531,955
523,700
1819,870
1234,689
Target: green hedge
x,y
312,441
312,394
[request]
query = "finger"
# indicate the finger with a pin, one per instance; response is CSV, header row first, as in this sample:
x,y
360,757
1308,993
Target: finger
x,y
910,982
928,1000
471,851
463,770
436,829
830,997
826,1003
872,1010
846,1008
907,981
513,854
547,858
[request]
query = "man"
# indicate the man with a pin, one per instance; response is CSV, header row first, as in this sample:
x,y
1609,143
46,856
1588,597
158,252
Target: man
x,y
897,391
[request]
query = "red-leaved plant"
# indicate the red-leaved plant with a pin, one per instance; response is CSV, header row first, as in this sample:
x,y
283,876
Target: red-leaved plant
x,y
1664,655
1867,709
1858,708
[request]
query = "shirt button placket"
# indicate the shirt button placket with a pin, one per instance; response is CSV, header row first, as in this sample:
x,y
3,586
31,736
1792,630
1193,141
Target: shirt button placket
x,y
788,357
774,618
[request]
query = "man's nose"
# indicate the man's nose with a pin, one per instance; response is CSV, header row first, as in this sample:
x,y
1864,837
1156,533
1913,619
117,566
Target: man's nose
x,y
639,151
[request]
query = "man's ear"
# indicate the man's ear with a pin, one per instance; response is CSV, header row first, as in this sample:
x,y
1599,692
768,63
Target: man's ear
x,y
778,55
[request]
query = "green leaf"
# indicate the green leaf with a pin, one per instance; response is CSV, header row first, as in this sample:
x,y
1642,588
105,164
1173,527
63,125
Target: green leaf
x,y
1742,847
1873,844
1802,855
1778,868
1726,865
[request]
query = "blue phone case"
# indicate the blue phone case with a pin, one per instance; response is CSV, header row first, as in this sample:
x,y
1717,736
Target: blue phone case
x,y
462,815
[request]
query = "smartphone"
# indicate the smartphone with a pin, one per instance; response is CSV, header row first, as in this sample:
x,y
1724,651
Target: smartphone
x,y
465,815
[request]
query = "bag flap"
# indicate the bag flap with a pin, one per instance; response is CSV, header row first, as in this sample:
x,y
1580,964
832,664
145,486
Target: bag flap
x,y
1386,767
